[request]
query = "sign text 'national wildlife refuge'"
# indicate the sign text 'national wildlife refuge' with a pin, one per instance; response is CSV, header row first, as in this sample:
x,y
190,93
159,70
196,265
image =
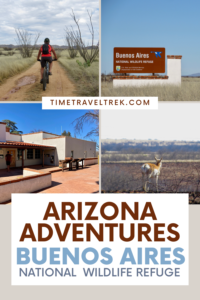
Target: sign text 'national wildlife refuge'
x,y
139,60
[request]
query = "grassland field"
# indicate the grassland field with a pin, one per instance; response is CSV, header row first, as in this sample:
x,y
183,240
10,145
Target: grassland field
x,y
86,79
176,177
12,65
188,91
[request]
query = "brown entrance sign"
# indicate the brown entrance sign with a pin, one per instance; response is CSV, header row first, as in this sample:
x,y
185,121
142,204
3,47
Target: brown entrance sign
x,y
139,60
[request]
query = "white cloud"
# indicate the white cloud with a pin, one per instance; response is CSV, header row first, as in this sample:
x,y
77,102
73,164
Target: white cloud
x,y
48,17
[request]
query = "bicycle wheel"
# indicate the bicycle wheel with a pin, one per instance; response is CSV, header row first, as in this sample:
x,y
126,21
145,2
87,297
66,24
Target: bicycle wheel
x,y
47,72
44,79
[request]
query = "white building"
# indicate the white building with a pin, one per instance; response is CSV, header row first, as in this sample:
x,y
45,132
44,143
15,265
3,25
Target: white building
x,y
173,76
41,148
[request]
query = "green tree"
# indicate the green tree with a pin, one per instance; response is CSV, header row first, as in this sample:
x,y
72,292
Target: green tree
x,y
66,133
12,126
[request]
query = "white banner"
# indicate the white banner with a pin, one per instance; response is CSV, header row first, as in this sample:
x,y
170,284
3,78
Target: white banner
x,y
100,103
105,239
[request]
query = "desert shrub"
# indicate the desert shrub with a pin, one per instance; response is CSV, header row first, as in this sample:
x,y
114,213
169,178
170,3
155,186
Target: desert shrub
x,y
58,53
85,79
114,179
72,52
174,178
10,53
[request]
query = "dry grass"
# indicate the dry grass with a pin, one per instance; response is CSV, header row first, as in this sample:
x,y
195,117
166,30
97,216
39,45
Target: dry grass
x,y
86,79
176,177
12,65
189,91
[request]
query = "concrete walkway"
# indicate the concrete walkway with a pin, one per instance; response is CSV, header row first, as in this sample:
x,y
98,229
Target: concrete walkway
x,y
84,180
14,173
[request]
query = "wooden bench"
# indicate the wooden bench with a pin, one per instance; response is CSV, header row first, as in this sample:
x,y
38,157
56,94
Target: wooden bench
x,y
70,161
77,160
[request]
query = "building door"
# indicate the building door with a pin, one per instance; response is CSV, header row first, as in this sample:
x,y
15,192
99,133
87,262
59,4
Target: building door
x,y
13,161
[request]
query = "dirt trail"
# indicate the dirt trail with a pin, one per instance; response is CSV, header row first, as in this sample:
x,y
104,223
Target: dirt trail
x,y
25,86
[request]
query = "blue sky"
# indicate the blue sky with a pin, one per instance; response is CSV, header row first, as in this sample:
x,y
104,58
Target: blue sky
x,y
173,24
49,17
31,116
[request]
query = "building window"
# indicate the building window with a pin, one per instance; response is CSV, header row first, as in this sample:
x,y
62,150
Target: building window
x,y
19,154
30,154
37,153
72,153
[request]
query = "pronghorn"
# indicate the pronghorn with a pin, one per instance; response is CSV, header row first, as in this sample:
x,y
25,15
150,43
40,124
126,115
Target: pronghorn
x,y
151,171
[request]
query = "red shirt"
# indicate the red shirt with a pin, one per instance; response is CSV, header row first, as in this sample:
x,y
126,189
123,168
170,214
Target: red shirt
x,y
46,55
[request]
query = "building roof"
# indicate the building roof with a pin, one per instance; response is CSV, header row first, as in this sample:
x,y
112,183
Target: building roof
x,y
22,145
39,132
53,138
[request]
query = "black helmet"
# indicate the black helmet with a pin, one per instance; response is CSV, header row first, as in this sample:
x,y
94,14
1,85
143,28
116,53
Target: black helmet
x,y
47,40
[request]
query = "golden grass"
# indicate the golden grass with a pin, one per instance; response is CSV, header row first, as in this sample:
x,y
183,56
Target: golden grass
x,y
12,65
86,80
189,91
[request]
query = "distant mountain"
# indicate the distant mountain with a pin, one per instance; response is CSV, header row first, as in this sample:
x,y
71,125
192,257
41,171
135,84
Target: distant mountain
x,y
37,46
193,75
8,46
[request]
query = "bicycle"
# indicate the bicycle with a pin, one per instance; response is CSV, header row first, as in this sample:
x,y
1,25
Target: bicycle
x,y
45,78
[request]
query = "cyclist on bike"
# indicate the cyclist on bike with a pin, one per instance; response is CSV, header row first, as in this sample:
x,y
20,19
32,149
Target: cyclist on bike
x,y
45,52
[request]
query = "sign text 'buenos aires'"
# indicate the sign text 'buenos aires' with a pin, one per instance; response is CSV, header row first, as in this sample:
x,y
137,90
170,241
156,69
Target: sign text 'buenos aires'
x,y
139,60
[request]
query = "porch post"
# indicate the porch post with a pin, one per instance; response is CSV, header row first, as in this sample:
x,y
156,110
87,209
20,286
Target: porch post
x,y
43,158
23,159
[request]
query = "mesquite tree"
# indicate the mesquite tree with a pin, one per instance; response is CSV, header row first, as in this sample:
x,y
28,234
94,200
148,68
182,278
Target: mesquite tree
x,y
24,41
74,39
90,117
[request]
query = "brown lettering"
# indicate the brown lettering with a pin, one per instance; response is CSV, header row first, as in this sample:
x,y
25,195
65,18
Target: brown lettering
x,y
48,237
89,216
67,211
25,235
144,233
125,208
152,214
116,211
76,232
157,232
111,230
62,237
177,235
132,233
54,214
90,229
